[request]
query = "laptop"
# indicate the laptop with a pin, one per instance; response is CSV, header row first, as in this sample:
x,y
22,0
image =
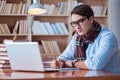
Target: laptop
x,y
26,56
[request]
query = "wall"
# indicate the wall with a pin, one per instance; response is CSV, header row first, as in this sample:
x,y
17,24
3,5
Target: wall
x,y
115,18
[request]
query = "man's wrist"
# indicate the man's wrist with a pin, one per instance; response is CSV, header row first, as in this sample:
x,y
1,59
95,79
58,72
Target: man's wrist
x,y
61,62
73,62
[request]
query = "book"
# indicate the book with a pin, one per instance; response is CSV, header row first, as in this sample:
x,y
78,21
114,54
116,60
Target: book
x,y
3,53
58,26
3,6
20,8
55,10
56,47
49,28
65,30
5,74
41,49
50,47
7,9
16,27
5,66
15,30
4,62
2,48
104,11
54,27
23,8
61,8
44,44
2,29
36,28
5,69
4,58
51,7
6,29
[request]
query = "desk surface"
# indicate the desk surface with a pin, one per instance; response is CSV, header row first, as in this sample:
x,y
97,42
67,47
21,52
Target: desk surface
x,y
61,75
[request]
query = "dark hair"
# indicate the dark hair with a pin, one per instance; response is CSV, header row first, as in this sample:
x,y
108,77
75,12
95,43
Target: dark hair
x,y
83,10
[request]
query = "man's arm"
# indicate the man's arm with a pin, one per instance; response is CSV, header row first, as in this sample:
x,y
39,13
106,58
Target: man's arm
x,y
78,64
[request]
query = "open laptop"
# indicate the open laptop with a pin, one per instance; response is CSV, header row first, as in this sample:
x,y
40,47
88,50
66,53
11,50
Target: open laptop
x,y
26,56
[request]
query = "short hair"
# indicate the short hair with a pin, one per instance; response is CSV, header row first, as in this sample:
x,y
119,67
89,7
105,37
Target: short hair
x,y
83,10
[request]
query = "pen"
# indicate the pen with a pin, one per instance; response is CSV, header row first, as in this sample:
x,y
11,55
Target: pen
x,y
58,60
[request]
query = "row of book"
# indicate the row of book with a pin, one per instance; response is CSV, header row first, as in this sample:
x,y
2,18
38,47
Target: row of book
x,y
21,27
49,47
59,8
21,8
97,9
49,28
12,8
41,28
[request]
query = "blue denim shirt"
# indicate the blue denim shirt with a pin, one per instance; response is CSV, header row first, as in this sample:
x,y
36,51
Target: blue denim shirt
x,y
100,55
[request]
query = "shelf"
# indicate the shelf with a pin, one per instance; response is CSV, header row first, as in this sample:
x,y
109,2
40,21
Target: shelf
x,y
13,15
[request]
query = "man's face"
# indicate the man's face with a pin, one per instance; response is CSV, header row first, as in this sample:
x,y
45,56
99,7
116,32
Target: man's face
x,y
81,24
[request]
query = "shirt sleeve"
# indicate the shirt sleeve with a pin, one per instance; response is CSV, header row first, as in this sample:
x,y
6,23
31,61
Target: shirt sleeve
x,y
69,52
105,50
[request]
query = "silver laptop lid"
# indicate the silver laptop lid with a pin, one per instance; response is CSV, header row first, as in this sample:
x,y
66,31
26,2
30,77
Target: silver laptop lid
x,y
24,56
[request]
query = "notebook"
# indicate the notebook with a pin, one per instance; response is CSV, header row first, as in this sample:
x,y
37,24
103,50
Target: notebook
x,y
26,56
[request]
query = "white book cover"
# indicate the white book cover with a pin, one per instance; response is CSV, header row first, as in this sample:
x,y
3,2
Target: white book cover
x,y
43,28
52,6
36,28
55,28
58,26
75,3
61,8
65,30
46,6
49,28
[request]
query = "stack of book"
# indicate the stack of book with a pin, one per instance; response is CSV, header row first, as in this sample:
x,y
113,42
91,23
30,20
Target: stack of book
x,y
4,60
50,47
12,8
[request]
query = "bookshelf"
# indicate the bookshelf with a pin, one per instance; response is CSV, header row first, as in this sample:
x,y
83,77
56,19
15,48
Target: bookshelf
x,y
57,11
12,11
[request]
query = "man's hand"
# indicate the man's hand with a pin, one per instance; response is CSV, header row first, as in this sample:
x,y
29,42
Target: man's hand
x,y
68,63
58,63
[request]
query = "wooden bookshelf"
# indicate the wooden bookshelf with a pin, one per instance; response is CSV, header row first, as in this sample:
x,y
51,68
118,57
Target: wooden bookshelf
x,y
58,16
56,13
16,13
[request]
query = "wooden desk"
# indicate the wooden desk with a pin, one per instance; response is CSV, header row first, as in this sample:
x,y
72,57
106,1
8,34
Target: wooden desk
x,y
62,75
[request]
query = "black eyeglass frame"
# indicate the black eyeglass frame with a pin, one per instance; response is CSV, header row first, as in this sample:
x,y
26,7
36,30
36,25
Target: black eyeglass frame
x,y
77,22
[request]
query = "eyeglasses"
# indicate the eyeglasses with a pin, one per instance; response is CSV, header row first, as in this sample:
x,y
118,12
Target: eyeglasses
x,y
78,22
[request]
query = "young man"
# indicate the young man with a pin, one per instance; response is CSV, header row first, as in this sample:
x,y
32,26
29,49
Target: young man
x,y
92,46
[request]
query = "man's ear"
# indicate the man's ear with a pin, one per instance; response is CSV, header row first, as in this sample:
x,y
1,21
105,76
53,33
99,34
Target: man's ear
x,y
91,19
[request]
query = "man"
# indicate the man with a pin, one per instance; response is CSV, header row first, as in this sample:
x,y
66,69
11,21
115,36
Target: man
x,y
92,46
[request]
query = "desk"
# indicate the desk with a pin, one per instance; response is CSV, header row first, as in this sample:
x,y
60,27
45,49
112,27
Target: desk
x,y
61,75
